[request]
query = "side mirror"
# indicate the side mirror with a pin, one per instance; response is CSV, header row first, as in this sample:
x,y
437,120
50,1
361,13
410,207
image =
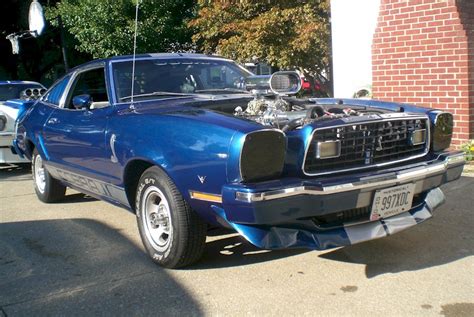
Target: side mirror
x,y
82,101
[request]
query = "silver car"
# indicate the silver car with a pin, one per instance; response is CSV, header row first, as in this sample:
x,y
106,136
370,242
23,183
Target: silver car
x,y
11,91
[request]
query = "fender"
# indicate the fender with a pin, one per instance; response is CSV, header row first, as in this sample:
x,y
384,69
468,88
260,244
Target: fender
x,y
180,144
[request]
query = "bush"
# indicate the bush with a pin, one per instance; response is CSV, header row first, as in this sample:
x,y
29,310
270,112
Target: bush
x,y
468,148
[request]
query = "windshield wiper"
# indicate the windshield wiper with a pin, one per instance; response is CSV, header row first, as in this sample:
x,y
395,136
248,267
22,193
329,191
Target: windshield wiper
x,y
233,90
158,94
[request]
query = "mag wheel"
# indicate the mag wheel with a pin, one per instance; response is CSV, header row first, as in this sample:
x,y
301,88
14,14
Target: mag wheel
x,y
47,188
172,233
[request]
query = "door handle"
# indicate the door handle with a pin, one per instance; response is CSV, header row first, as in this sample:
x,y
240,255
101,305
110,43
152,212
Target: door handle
x,y
53,121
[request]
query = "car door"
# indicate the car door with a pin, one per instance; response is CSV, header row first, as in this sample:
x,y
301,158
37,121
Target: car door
x,y
75,138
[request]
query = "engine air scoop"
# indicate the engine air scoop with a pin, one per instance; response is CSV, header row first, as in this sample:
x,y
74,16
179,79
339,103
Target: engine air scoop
x,y
279,83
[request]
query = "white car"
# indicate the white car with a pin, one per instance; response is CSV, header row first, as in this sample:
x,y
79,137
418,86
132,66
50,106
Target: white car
x,y
11,90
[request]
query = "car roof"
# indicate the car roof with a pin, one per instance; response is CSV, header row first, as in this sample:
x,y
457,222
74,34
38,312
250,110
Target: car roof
x,y
19,82
167,55
150,55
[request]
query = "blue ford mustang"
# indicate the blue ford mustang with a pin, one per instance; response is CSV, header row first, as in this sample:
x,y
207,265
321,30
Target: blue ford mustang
x,y
196,141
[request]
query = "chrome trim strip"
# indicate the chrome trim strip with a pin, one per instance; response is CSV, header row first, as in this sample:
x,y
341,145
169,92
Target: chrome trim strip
x,y
406,117
381,180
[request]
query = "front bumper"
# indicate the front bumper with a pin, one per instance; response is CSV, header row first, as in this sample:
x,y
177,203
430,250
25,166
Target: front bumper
x,y
273,217
286,200
6,153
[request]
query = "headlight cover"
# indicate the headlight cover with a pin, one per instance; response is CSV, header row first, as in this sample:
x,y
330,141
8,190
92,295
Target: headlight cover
x,y
442,131
263,155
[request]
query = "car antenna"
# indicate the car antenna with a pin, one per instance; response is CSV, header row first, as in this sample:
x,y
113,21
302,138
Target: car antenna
x,y
132,107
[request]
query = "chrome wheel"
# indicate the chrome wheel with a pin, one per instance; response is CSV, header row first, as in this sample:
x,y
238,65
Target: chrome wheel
x,y
39,172
172,233
156,218
48,189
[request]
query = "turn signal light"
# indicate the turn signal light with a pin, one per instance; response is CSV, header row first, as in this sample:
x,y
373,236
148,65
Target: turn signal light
x,y
418,137
328,149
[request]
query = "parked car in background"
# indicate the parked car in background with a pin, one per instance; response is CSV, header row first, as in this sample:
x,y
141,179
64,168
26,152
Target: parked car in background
x,y
13,95
363,92
179,142
316,86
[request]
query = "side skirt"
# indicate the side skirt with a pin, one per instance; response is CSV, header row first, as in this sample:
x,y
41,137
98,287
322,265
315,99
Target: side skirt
x,y
96,188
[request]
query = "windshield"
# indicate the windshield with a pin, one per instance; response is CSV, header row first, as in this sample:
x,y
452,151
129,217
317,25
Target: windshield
x,y
156,78
13,91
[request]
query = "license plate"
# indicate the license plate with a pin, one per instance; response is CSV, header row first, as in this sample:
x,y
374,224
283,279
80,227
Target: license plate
x,y
392,201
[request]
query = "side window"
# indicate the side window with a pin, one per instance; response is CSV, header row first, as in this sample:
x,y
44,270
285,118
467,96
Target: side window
x,y
55,93
90,83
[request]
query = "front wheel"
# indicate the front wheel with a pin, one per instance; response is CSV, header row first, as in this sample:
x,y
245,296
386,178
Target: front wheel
x,y
48,189
173,234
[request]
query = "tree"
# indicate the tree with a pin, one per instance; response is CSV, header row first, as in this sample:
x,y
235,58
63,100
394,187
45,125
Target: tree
x,y
285,34
105,28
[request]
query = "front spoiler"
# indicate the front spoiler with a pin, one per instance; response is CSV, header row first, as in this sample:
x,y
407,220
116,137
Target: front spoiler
x,y
272,218
279,237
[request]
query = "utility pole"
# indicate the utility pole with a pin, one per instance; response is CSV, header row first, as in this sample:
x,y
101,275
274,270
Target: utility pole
x,y
63,43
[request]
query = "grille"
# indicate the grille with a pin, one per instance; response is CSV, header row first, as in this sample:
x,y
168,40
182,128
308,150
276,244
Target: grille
x,y
339,218
361,214
366,145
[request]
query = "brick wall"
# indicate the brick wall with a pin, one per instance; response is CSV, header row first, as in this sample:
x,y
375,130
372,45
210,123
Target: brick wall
x,y
423,53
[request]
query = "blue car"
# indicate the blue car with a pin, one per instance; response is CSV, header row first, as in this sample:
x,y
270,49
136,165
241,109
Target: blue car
x,y
189,142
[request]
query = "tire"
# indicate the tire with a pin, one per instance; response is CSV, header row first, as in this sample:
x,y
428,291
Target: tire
x,y
173,235
48,189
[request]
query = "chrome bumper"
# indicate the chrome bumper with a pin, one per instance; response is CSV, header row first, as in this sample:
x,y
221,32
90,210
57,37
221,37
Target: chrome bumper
x,y
6,139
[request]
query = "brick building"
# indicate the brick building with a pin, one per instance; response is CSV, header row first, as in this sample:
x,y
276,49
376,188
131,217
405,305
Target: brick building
x,y
423,53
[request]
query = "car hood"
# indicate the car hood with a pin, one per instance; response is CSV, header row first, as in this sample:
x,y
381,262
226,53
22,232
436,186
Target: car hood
x,y
197,108
11,112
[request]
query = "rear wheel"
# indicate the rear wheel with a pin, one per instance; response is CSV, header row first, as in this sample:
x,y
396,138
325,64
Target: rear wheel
x,y
48,189
173,234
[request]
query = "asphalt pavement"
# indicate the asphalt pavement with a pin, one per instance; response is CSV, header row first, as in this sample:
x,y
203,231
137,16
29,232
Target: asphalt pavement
x,y
84,257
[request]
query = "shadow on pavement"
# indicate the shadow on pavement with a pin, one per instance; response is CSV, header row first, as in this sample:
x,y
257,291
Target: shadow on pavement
x,y
76,198
233,250
445,238
19,172
82,267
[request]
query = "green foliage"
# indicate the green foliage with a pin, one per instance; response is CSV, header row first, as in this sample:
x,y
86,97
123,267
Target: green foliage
x,y
285,34
468,149
105,28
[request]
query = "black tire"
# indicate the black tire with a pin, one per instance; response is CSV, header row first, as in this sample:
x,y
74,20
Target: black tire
x,y
173,235
49,190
